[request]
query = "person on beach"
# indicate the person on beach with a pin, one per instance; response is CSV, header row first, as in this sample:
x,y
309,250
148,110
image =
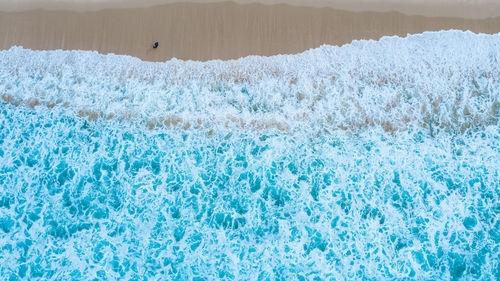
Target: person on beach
x,y
155,45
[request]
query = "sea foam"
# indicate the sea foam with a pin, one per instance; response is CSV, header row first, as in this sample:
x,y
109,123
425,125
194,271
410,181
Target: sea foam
x,y
439,81
375,160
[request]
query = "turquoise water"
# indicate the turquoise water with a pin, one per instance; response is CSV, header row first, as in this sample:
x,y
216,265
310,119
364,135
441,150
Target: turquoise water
x,y
86,196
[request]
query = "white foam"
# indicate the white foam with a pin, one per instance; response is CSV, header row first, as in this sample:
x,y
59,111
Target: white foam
x,y
440,81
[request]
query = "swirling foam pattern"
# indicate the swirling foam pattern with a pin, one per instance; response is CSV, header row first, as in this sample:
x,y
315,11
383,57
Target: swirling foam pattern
x,y
371,161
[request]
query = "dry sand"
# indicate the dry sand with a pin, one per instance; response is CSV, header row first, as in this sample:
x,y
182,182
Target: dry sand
x,y
214,30
472,9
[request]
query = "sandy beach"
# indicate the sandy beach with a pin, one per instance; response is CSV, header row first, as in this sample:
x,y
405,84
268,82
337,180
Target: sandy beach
x,y
224,30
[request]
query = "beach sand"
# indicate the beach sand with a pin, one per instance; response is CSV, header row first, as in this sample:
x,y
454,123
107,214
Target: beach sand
x,y
225,30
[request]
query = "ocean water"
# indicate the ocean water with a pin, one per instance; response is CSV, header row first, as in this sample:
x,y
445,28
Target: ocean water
x,y
378,160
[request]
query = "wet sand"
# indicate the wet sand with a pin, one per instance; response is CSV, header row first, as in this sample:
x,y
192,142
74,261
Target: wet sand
x,y
213,30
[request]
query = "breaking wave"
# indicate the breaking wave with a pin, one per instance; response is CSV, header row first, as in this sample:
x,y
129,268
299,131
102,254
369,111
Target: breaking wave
x,y
375,160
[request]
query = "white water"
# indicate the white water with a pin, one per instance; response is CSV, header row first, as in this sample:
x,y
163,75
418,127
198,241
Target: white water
x,y
376,160
440,81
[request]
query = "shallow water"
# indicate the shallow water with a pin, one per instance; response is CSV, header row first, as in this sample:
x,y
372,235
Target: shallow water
x,y
319,193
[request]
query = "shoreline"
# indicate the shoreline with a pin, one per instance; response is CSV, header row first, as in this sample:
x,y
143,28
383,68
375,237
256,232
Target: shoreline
x,y
191,31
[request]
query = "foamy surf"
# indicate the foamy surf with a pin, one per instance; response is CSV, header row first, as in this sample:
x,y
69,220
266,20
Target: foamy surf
x,y
439,81
375,160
